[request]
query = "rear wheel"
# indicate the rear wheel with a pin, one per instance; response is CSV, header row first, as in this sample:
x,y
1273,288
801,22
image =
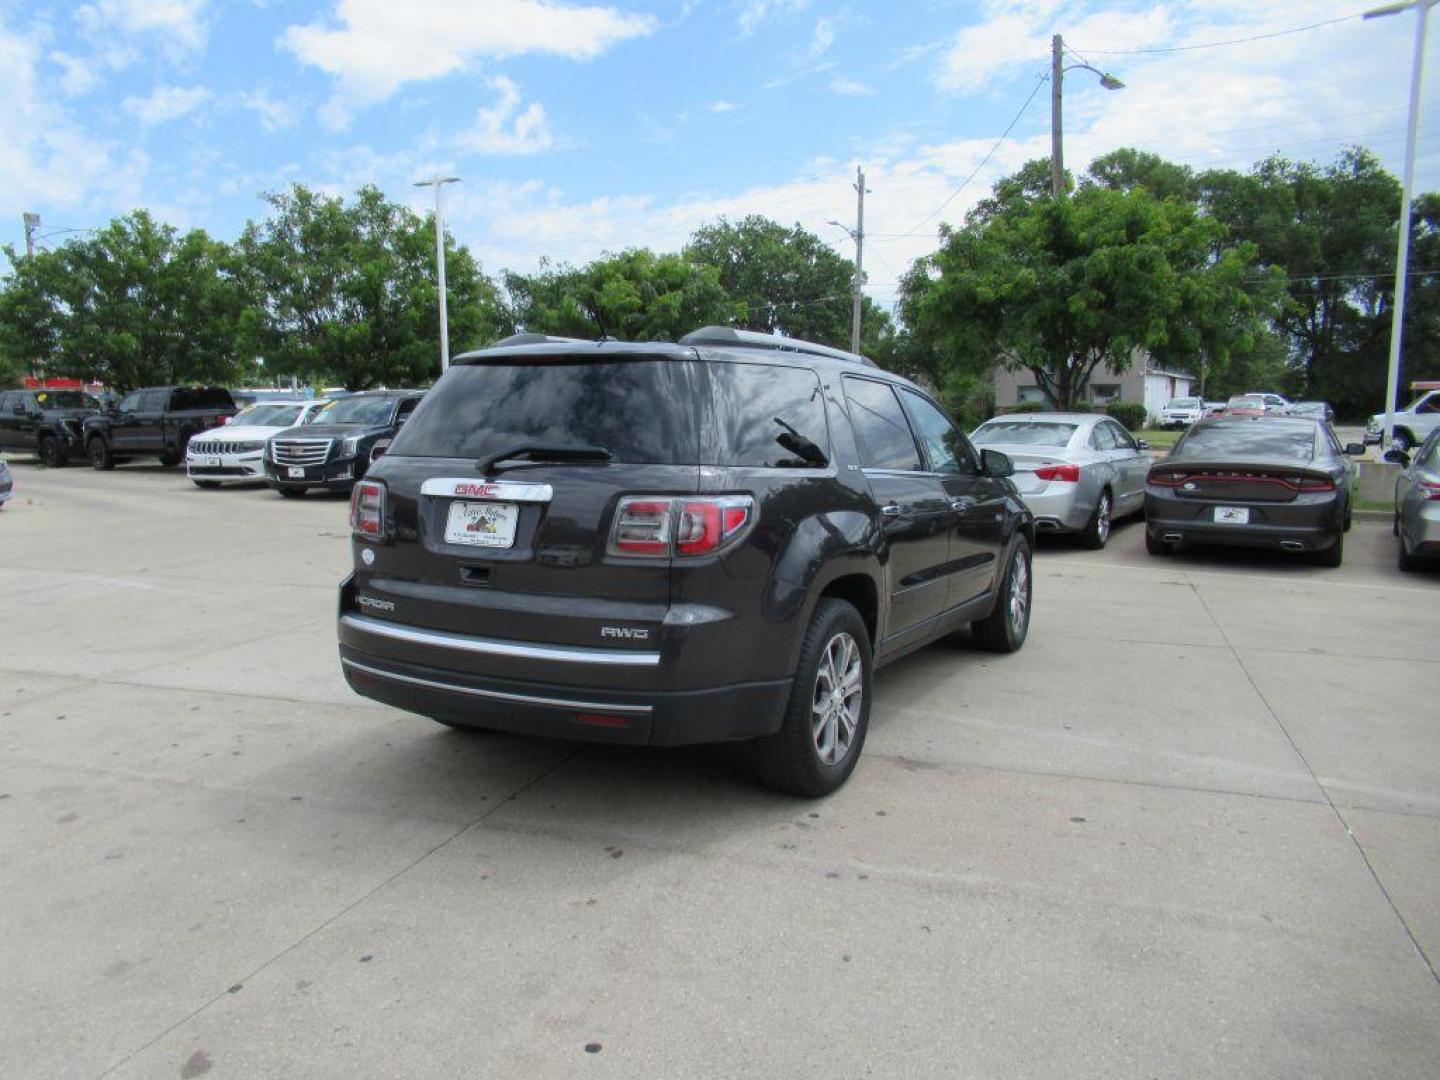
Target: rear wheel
x,y
1097,532
1006,627
169,459
52,454
99,451
819,741
1333,555
1403,440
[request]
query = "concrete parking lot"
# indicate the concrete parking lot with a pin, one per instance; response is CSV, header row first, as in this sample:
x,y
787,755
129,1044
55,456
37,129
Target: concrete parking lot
x,y
1191,830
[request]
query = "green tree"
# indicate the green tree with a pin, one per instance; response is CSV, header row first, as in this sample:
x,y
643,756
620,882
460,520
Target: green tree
x,y
347,291
789,282
1061,286
633,296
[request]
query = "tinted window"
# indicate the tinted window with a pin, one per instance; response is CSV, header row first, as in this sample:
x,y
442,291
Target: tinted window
x,y
638,410
201,397
1024,433
1258,440
65,399
368,411
153,401
945,448
880,426
131,401
757,405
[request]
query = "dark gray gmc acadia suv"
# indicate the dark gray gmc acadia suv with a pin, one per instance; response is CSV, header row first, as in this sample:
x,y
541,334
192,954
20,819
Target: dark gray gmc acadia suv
x,y
675,543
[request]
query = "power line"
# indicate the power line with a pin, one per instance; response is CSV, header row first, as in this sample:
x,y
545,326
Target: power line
x,y
1232,41
986,159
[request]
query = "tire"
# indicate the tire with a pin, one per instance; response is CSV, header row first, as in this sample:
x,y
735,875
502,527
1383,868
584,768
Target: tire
x,y
52,454
1155,546
208,485
1004,630
290,492
1097,530
1403,440
1349,518
811,754
1333,555
169,459
99,452
1404,560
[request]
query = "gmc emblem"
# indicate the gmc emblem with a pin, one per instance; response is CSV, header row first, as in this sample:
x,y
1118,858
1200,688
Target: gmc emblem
x,y
475,489
631,633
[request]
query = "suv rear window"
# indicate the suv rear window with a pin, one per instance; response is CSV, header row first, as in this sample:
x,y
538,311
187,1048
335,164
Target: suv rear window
x,y
642,411
754,403
200,397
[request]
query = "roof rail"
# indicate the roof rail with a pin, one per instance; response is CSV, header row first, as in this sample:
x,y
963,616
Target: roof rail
x,y
533,339
751,339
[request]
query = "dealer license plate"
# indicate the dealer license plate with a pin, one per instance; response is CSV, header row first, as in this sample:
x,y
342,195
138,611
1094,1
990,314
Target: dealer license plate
x,y
296,472
482,524
1232,515
213,462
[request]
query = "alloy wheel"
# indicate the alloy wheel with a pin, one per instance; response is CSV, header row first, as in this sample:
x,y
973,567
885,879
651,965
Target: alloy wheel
x,y
1019,595
837,703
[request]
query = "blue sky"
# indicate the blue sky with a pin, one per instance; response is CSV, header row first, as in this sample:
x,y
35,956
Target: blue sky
x,y
580,127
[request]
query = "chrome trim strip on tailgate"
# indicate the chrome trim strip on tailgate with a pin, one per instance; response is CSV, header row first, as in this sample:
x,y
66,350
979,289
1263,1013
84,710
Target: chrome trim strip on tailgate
x,y
470,487
500,695
573,654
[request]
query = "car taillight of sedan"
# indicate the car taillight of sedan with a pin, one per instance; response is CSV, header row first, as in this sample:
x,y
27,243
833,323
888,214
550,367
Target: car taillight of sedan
x,y
1068,474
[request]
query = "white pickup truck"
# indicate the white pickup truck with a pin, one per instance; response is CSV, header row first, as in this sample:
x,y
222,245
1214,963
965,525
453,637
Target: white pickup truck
x,y
1412,425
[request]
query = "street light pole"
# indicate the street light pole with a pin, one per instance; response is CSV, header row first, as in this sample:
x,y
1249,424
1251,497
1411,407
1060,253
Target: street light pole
x,y
1402,246
1057,81
438,183
32,226
857,283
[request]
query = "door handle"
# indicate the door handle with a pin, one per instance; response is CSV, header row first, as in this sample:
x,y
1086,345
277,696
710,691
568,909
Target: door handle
x,y
890,510
963,503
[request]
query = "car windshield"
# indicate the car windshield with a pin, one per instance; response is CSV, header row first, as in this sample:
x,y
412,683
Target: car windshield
x,y
65,399
1184,403
270,414
1258,440
1023,433
358,410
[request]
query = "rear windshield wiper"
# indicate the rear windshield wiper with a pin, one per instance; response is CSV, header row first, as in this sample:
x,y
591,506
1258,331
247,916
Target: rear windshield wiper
x,y
541,451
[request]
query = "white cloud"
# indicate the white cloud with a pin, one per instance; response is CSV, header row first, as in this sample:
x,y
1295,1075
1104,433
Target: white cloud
x,y
505,128
77,76
165,103
373,47
722,106
823,38
755,12
180,24
840,84
274,114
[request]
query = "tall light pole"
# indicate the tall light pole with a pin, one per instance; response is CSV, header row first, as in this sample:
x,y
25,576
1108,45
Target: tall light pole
x,y
1402,247
438,182
1057,80
857,299
32,226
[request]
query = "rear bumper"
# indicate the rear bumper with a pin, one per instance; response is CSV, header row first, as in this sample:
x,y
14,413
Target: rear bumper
x,y
650,717
1276,526
1059,509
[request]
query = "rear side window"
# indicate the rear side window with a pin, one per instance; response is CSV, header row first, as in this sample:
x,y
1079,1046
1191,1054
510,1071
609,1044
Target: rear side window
x,y
200,397
881,429
154,401
756,404
642,411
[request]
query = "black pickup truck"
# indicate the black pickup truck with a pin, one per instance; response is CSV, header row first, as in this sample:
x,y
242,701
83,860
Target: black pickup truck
x,y
155,422
45,422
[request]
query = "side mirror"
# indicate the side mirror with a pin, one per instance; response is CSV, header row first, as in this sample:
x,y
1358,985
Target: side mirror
x,y
1399,457
1142,444
996,464
1355,449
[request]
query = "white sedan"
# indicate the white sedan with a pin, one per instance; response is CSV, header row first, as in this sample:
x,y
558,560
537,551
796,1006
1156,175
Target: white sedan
x,y
235,452
1077,472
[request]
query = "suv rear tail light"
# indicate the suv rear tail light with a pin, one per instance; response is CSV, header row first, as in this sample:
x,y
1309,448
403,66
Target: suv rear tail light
x,y
1070,474
661,527
367,510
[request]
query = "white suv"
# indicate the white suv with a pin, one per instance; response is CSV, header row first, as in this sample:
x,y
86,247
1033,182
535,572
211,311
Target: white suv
x,y
235,452
1182,412
1412,425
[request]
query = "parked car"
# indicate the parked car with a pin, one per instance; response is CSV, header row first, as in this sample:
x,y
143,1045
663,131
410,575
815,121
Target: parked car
x,y
676,543
48,423
7,482
1413,424
1213,409
235,452
1076,472
1268,482
1256,405
1417,503
1311,410
156,422
1181,412
334,449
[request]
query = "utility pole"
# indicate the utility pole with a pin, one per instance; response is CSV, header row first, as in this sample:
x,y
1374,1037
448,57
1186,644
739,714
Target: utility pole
x,y
1057,140
438,182
32,226
858,235
1402,247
